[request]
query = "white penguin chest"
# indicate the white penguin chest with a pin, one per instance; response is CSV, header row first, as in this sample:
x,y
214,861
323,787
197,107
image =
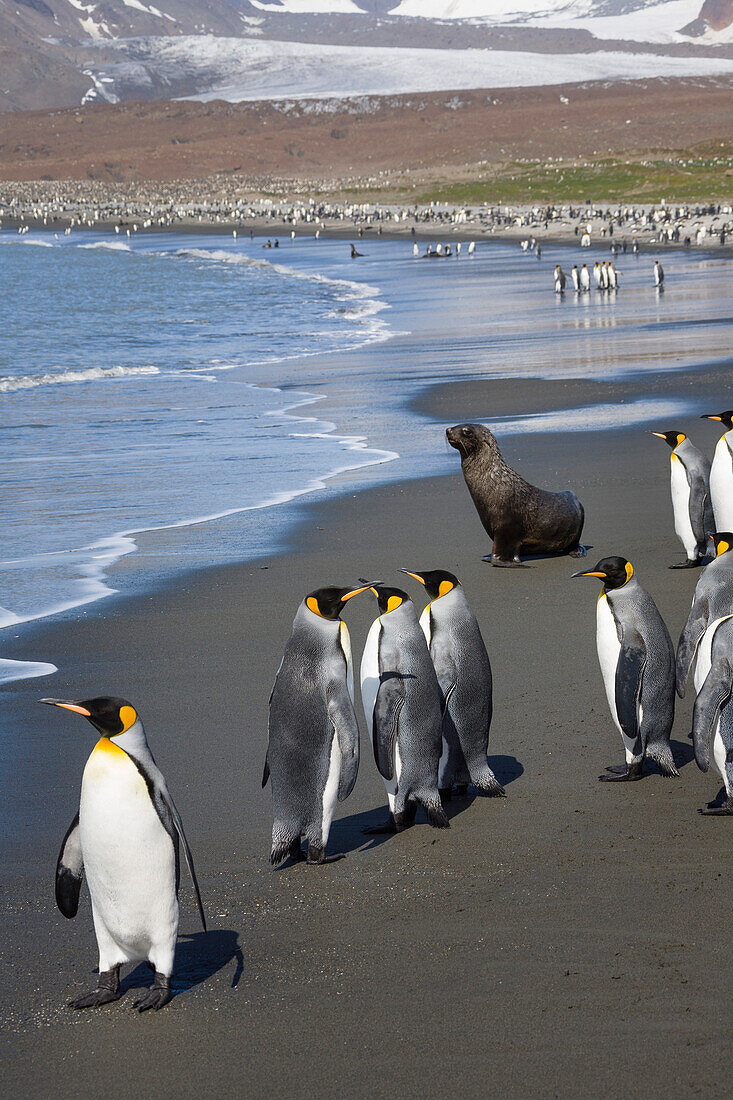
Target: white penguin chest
x,y
681,506
369,692
704,657
721,485
609,647
370,675
123,840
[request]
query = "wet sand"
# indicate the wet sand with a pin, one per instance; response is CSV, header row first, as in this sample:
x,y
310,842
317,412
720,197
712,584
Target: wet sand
x,y
569,940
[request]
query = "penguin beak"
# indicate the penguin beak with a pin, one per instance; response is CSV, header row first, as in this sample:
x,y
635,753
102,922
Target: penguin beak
x,y
658,435
591,573
354,592
415,575
710,416
67,705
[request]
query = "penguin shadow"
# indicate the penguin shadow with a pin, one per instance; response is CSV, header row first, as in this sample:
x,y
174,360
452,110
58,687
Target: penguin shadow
x,y
199,956
682,752
347,834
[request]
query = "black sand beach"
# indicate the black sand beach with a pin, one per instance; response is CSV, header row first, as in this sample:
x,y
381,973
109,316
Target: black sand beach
x,y
570,940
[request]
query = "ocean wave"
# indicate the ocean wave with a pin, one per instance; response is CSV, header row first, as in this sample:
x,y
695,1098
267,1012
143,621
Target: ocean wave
x,y
10,383
367,296
114,246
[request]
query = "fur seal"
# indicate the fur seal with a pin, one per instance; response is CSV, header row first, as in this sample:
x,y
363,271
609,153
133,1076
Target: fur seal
x,y
517,516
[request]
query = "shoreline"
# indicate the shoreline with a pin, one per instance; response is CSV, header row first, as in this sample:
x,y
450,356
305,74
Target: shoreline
x,y
436,402
424,234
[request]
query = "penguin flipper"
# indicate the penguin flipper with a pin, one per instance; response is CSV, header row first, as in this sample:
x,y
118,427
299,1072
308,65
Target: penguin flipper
x,y
387,707
698,503
346,729
713,695
266,770
168,815
692,632
70,871
629,677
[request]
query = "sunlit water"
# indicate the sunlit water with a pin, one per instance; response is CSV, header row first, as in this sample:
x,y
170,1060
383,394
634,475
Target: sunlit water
x,y
171,384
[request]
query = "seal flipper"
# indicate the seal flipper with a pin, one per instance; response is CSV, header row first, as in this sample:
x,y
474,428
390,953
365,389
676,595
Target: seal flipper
x,y
714,693
70,871
387,707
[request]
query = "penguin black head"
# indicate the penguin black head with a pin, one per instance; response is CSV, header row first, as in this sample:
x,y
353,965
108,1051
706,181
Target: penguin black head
x,y
673,438
723,541
724,418
468,438
108,714
614,572
437,582
328,603
389,599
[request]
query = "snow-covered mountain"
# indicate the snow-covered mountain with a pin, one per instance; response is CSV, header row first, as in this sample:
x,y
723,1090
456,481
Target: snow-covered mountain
x,y
640,20
65,52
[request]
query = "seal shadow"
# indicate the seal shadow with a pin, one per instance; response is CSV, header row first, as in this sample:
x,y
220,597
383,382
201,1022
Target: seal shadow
x,y
542,557
199,955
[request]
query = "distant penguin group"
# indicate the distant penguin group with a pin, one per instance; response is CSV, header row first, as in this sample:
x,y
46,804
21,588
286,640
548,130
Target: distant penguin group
x,y
605,277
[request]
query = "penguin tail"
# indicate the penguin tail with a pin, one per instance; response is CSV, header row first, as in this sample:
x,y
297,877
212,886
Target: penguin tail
x,y
488,784
283,844
434,809
662,757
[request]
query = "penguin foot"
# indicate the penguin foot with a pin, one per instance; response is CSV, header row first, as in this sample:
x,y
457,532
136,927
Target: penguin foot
x,y
579,551
629,774
722,809
158,995
385,829
316,857
108,989
686,564
616,769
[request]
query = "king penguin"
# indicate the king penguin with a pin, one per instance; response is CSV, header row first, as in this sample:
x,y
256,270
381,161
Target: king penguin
x,y
712,720
464,673
713,600
658,274
584,277
693,511
313,746
403,707
559,280
575,276
125,839
721,473
637,664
